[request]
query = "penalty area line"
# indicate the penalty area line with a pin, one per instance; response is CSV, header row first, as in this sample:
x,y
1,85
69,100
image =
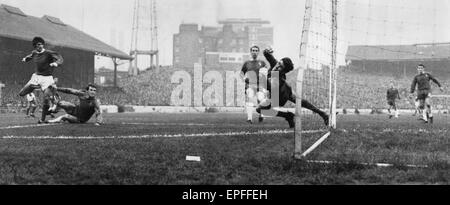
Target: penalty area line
x,y
25,126
211,134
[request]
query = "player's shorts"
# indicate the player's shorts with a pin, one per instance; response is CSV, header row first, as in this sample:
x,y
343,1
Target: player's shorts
x,y
417,103
250,92
423,94
32,103
43,81
263,98
76,112
391,102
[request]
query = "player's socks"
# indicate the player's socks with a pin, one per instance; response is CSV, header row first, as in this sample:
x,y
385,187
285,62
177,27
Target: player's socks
x,y
288,116
33,109
249,113
396,114
424,116
290,119
44,112
326,119
260,118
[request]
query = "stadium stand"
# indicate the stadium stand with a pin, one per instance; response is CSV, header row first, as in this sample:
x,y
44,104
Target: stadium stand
x,y
356,90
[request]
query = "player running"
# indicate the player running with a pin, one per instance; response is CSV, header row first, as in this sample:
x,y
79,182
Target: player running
x,y
422,80
283,67
31,104
391,95
250,74
82,112
46,61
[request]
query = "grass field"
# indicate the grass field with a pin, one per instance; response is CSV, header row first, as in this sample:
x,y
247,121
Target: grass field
x,y
152,148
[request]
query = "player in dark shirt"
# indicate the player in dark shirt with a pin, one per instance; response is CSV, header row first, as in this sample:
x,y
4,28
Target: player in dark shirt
x,y
391,95
46,61
422,80
250,73
285,93
82,112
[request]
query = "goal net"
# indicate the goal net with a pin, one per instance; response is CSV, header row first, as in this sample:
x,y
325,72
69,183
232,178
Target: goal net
x,y
315,76
350,53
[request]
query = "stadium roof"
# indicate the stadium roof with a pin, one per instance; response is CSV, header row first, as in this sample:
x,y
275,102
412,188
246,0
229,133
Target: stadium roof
x,y
17,25
399,52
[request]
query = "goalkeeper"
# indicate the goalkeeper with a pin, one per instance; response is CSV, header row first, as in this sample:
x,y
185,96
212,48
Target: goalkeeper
x,y
283,67
82,112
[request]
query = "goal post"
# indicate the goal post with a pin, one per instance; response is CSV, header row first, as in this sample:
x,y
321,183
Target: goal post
x,y
317,74
298,120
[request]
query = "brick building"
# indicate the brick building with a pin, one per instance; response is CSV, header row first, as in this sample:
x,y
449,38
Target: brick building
x,y
226,47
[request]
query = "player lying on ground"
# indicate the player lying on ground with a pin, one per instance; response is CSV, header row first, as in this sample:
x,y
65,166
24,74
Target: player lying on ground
x,y
422,80
391,95
46,61
285,94
250,74
82,112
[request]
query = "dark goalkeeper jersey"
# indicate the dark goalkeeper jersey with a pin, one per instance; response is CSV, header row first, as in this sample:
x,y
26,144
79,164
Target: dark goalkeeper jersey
x,y
285,91
86,108
423,82
43,60
392,94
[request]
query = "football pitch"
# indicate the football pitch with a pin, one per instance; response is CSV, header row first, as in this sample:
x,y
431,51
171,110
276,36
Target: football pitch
x,y
151,148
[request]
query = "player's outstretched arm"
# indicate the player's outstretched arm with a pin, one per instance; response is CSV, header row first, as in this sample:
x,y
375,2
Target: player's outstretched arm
x,y
437,82
413,85
28,57
57,59
269,57
98,113
70,91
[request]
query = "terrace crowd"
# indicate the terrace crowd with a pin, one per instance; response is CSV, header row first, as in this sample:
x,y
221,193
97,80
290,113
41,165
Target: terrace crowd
x,y
154,88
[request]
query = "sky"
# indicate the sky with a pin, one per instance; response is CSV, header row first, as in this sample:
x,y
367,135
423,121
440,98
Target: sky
x,y
360,21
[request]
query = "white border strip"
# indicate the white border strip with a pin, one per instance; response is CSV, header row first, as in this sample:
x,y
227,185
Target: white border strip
x,y
366,164
261,132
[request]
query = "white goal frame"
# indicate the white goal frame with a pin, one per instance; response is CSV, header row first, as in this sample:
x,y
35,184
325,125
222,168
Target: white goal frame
x,y
298,152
